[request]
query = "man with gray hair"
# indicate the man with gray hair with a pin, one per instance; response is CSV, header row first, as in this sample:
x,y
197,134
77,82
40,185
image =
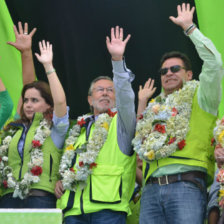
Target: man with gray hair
x,y
98,165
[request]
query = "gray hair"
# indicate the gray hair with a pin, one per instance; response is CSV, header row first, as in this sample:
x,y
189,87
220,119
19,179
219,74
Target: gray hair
x,y
95,80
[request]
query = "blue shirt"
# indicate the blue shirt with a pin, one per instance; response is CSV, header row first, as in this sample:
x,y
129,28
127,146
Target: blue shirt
x,y
58,132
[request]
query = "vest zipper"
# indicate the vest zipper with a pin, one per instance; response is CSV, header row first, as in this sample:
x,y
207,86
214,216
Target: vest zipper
x,y
20,171
81,203
21,166
51,165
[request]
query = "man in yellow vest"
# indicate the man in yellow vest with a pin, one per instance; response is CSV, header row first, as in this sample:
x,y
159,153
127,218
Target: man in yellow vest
x,y
98,165
173,134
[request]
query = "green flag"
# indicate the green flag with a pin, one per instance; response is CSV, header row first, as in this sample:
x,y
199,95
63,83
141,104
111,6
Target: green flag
x,y
10,58
210,18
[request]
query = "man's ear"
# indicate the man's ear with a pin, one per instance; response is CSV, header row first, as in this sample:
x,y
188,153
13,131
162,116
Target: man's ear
x,y
90,100
189,75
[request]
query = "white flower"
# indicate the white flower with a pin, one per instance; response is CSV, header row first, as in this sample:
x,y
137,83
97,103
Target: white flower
x,y
176,125
71,180
7,140
5,158
21,188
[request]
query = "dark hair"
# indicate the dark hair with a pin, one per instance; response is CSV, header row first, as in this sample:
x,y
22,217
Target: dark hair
x,y
45,92
95,80
177,54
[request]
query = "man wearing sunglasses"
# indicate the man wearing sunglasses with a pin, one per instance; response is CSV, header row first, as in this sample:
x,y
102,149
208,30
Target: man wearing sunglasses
x,y
173,134
176,182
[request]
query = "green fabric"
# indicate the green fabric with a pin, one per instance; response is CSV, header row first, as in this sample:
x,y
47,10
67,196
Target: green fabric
x,y
198,144
135,210
49,177
10,59
34,216
6,106
112,167
210,19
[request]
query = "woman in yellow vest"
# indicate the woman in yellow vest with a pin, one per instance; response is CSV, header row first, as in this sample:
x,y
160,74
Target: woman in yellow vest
x,y
30,148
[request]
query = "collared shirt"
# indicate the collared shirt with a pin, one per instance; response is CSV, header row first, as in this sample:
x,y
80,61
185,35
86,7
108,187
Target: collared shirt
x,y
125,97
58,132
209,91
125,106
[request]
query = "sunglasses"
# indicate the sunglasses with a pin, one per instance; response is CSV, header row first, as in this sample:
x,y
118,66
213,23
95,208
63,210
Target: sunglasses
x,y
174,68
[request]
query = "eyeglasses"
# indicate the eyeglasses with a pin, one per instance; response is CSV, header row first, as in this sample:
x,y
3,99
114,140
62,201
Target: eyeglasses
x,y
174,68
101,89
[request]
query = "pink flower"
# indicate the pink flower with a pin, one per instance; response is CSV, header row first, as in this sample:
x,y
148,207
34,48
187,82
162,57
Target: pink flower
x,y
174,111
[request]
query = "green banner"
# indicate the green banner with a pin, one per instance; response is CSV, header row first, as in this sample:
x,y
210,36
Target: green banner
x,y
31,216
210,20
10,58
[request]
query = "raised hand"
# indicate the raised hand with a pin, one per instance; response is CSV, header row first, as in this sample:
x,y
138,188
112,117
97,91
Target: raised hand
x,y
46,53
116,45
184,17
147,91
144,94
23,38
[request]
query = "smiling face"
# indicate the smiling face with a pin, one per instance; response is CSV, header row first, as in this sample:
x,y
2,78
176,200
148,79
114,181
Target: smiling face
x,y
33,102
102,96
172,81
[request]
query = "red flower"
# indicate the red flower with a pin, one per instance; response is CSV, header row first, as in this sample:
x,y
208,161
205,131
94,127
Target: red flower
x,y
36,144
81,122
81,164
36,170
212,141
140,116
222,121
5,184
174,111
48,116
181,144
160,128
110,113
92,165
71,169
172,140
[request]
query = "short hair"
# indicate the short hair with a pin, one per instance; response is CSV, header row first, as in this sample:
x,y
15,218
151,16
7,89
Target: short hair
x,y
177,54
95,80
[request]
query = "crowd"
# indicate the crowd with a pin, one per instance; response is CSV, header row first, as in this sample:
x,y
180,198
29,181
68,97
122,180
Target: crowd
x,y
113,165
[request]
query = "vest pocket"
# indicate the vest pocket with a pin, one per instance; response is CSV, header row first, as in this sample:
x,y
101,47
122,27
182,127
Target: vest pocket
x,y
50,168
106,184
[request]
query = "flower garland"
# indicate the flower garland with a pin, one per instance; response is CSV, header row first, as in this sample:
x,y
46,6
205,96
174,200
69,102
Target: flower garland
x,y
72,178
164,125
21,188
219,142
